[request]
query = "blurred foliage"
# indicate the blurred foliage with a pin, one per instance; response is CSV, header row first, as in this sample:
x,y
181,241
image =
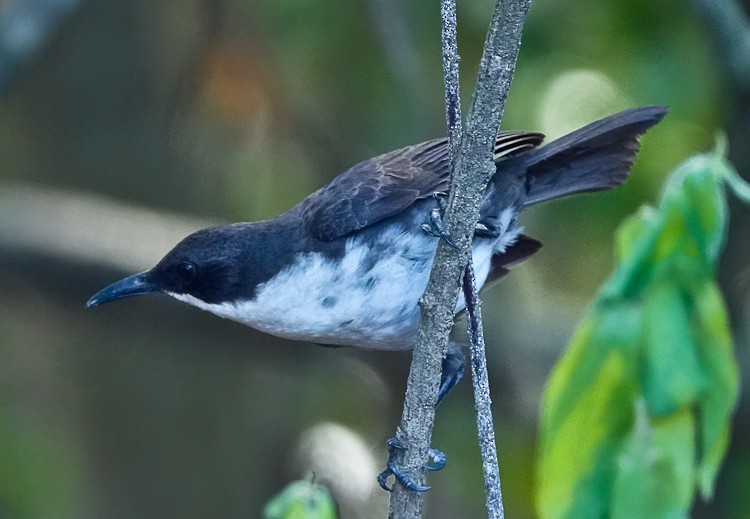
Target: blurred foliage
x,y
301,500
235,110
39,469
637,413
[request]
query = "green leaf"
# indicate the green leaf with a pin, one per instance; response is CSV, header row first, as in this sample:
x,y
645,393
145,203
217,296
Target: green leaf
x,y
714,342
671,374
636,415
654,476
593,409
301,500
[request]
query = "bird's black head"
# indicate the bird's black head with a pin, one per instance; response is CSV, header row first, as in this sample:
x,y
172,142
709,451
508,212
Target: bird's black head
x,y
210,265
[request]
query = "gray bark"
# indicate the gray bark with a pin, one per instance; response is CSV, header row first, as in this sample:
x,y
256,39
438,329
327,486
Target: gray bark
x,y
482,401
478,356
472,170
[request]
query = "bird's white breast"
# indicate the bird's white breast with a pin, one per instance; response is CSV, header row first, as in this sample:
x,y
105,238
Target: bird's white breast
x,y
351,300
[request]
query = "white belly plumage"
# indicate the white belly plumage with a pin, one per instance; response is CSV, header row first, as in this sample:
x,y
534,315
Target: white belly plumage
x,y
350,301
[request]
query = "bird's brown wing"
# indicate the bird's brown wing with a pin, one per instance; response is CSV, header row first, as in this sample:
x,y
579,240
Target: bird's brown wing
x,y
385,185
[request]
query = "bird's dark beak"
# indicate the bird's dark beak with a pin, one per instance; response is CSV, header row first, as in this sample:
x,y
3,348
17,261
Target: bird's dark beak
x,y
135,285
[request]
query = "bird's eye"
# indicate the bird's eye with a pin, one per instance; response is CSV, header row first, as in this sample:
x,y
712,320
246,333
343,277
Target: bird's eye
x,y
186,270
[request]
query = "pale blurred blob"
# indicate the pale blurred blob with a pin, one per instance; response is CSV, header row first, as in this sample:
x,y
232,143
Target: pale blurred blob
x,y
575,98
341,461
88,228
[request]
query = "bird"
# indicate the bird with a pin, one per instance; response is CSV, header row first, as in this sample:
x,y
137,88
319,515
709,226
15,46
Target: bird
x,y
348,264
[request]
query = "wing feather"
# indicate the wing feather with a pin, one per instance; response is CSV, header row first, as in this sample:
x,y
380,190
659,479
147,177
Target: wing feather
x,y
385,185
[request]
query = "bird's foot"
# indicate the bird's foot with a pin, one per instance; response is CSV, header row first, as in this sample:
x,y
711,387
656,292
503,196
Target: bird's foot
x,y
436,228
437,457
452,372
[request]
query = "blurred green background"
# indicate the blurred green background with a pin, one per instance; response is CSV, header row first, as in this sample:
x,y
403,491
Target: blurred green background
x,y
126,125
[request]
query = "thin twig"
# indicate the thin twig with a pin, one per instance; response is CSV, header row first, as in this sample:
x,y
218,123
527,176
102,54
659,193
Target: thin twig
x,y
450,75
473,169
482,401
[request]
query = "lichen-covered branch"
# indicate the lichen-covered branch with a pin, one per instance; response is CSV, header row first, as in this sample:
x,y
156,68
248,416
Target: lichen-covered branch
x,y
450,77
473,169
482,401
478,356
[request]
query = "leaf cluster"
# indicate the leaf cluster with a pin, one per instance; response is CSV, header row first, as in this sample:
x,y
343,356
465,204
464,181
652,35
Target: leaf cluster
x,y
637,413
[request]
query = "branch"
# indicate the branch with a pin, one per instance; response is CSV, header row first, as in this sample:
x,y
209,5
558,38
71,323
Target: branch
x,y
450,74
78,227
482,401
25,28
392,29
480,381
472,170
729,27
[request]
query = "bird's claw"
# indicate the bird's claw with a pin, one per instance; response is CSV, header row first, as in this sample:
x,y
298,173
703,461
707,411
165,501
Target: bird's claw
x,y
489,227
437,229
438,458
438,462
404,478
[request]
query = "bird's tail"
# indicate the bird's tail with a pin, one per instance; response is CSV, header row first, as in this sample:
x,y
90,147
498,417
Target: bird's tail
x,y
593,158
